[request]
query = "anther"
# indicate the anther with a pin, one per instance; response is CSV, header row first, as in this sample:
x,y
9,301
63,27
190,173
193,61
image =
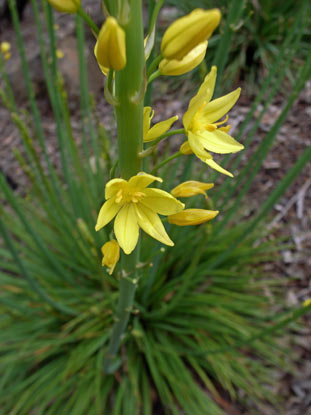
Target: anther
x,y
119,196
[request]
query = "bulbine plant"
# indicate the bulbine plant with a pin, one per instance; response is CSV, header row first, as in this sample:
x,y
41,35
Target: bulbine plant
x,y
115,301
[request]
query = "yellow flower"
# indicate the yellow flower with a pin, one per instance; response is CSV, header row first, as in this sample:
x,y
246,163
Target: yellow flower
x,y
192,217
110,48
201,129
189,31
186,64
134,205
59,54
307,303
111,255
191,188
5,48
66,6
158,129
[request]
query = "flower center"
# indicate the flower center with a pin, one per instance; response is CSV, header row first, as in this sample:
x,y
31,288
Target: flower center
x,y
128,196
200,122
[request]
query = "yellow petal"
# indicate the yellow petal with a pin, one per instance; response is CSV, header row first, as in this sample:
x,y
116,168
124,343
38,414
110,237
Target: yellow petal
x,y
207,88
175,67
142,180
217,167
219,142
107,212
219,107
186,33
191,188
160,128
192,217
111,254
204,94
150,222
65,6
104,70
126,228
197,146
203,155
147,117
111,45
161,202
113,186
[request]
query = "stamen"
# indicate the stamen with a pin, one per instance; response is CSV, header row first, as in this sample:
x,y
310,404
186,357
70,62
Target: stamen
x,y
137,196
222,122
226,129
119,196
211,127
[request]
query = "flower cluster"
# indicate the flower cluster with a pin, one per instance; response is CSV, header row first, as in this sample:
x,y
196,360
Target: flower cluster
x,y
134,205
131,203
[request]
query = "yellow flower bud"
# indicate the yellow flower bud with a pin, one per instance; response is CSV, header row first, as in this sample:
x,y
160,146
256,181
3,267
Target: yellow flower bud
x,y
110,49
175,67
111,255
191,188
189,31
66,6
59,54
192,217
5,47
185,148
158,129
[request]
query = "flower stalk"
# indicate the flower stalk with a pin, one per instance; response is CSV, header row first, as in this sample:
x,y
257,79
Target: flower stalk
x,y
129,83
88,20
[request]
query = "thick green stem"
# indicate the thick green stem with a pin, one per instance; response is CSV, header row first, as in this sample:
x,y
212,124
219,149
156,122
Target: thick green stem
x,y
129,84
129,87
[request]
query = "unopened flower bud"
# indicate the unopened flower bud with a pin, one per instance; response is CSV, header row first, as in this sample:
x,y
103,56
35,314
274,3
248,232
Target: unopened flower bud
x,y
110,48
158,129
5,49
191,188
185,148
111,254
190,61
192,217
59,54
66,6
189,31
